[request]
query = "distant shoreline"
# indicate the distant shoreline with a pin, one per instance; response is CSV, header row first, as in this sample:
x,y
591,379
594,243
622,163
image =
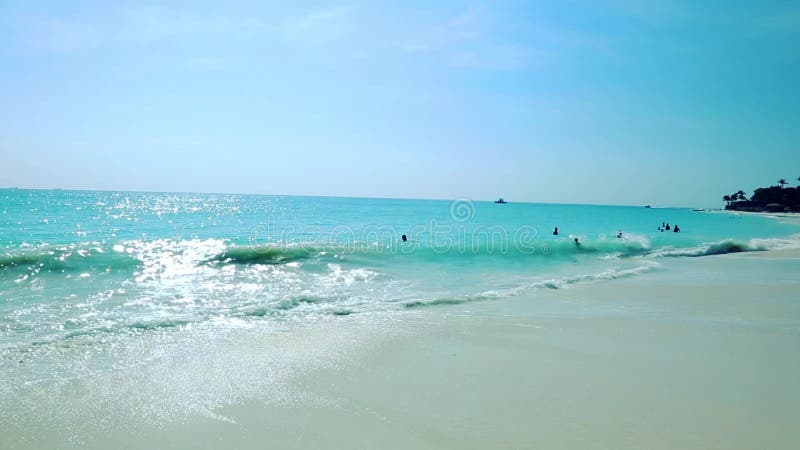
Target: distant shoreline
x,y
794,218
760,213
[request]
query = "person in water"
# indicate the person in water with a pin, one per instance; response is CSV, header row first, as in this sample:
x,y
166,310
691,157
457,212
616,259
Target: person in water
x,y
677,229
576,242
619,234
404,238
667,227
555,232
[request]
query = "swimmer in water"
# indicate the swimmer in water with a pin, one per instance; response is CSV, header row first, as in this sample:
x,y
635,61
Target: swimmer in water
x,y
555,232
404,238
576,242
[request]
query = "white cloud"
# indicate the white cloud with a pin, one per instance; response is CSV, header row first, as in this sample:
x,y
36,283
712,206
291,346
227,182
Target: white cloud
x,y
152,24
497,57
474,38
453,31
43,33
319,26
37,33
470,39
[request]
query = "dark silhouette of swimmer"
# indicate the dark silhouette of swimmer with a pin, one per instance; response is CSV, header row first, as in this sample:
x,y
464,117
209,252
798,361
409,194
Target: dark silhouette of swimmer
x,y
677,229
555,232
619,234
576,242
404,238
667,227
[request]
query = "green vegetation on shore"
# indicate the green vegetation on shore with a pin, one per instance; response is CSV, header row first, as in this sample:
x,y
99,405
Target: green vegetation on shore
x,y
767,199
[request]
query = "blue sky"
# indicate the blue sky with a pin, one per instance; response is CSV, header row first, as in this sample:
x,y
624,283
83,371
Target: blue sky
x,y
618,102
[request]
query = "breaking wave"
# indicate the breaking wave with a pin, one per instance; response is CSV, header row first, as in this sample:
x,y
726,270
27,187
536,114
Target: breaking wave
x,y
730,246
65,259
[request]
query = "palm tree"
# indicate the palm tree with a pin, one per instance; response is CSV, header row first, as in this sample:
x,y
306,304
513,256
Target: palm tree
x,y
727,199
782,182
740,195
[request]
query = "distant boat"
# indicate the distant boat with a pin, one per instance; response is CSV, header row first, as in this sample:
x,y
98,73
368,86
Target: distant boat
x,y
500,201
648,206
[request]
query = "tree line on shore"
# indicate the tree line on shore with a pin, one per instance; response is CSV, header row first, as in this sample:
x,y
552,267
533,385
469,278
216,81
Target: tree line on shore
x,y
776,198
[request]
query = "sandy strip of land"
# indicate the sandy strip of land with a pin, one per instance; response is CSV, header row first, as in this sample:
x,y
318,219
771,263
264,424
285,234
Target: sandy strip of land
x,y
786,217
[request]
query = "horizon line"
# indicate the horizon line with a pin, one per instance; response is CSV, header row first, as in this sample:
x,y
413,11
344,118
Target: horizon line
x,y
343,197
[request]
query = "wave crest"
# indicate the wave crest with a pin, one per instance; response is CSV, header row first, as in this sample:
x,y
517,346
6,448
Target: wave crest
x,y
271,254
730,246
65,259
553,283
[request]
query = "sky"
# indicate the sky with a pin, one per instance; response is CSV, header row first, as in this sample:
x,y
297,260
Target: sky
x,y
669,103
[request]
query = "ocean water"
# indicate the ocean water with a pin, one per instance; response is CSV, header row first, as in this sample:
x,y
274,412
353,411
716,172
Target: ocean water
x,y
114,296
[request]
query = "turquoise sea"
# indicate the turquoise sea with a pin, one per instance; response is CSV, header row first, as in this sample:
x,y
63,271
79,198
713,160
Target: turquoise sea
x,y
96,284
90,265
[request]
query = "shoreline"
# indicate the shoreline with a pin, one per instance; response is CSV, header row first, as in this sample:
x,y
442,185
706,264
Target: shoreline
x,y
764,213
702,353
794,218
591,366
